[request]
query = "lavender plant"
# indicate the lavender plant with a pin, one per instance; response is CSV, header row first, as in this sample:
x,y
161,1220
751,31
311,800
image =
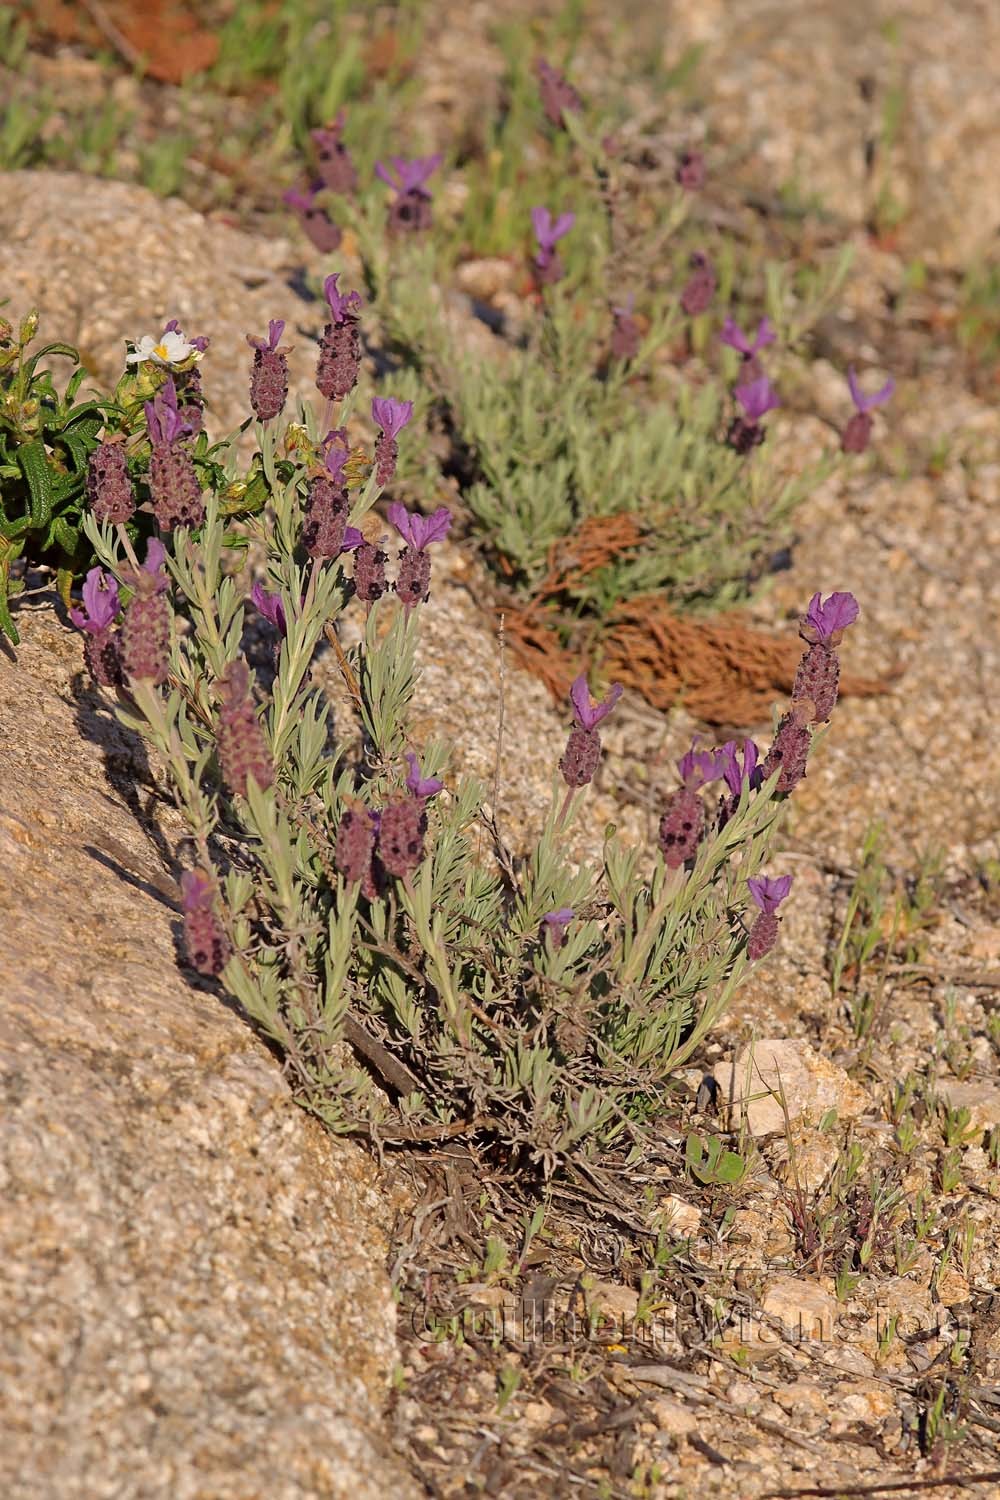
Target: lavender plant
x,y
420,984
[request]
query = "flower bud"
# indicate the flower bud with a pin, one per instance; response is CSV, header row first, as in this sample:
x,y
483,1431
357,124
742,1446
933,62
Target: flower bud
x,y
102,654
817,679
369,572
355,843
790,751
145,639
401,835
109,488
240,740
413,583
763,934
339,358
325,521
581,757
681,827
268,383
174,487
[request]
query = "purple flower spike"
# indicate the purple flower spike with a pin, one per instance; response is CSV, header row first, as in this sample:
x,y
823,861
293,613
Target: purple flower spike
x,y
315,221
270,606
733,335
827,618
339,303
163,420
421,786
548,232
769,893
391,415
587,713
419,531
866,403
275,329
735,774
757,398
558,96
410,175
100,600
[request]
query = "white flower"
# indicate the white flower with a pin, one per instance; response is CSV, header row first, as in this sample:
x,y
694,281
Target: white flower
x,y
171,348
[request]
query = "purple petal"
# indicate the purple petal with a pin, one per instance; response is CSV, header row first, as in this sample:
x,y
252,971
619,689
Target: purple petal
x,y
384,175
196,891
769,893
391,415
835,613
270,606
155,555
757,398
400,517
560,918
352,538
339,303
733,335
421,786
588,713
437,526
100,600
562,226
541,223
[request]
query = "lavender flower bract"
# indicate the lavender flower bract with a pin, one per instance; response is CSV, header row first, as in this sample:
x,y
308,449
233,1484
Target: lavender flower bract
x,y
421,786
625,335
690,173
355,843
548,233
583,748
756,398
102,648
270,606
173,480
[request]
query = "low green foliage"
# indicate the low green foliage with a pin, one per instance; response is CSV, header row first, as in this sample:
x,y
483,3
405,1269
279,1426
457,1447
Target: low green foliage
x,y
46,437
465,1010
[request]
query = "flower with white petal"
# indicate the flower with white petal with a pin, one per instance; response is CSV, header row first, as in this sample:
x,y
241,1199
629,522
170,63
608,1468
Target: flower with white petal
x,y
171,349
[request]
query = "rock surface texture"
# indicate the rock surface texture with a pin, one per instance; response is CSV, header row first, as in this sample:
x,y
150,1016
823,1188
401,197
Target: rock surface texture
x,y
806,93
193,1301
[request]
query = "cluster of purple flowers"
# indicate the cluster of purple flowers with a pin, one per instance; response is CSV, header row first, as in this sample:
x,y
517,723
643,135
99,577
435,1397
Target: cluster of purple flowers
x,y
371,846
335,172
138,651
410,208
685,818
174,487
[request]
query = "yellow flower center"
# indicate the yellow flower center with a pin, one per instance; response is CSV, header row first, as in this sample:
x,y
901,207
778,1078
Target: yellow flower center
x,y
161,352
